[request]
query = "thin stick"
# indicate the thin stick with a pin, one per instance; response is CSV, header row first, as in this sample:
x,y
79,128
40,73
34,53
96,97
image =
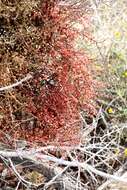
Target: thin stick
x,y
29,76
19,176
54,178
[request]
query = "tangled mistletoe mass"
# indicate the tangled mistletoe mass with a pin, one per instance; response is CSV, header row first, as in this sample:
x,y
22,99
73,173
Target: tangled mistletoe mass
x,y
62,84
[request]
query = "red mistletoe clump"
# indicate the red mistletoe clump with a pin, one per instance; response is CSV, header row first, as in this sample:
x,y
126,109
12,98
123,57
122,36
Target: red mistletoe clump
x,y
62,84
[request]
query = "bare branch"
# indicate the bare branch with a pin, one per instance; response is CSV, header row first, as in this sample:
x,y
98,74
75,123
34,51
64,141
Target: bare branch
x,y
29,76
40,158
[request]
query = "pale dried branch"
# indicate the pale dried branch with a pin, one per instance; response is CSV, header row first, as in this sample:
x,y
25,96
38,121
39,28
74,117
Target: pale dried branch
x,y
41,158
9,87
